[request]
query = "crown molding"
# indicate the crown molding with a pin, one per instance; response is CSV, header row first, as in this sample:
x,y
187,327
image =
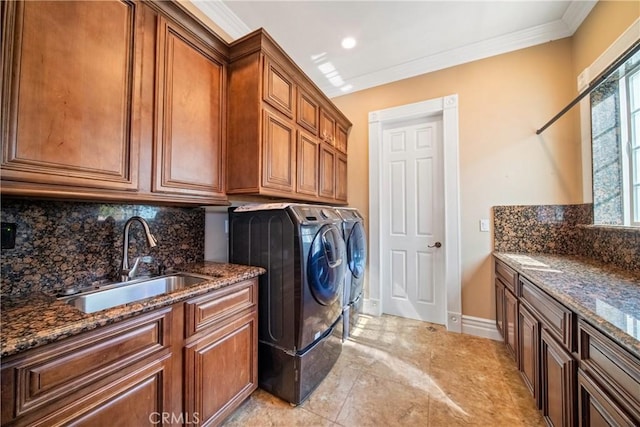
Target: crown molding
x,y
577,12
484,49
561,28
223,17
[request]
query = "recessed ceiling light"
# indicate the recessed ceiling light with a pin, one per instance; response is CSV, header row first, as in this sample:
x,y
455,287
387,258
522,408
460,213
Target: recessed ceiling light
x,y
348,42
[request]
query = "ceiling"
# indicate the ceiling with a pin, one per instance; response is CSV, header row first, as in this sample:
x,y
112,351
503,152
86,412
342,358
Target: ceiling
x,y
395,39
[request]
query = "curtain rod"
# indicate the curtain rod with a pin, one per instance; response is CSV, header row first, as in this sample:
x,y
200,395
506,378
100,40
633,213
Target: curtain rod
x,y
595,83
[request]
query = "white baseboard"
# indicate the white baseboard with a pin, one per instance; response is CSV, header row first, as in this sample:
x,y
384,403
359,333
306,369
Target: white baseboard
x,y
371,307
479,327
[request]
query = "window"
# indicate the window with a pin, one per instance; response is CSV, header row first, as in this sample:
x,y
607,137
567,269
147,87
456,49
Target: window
x,y
615,132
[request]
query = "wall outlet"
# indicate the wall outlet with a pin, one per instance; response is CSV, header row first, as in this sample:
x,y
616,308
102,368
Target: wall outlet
x,y
8,235
484,225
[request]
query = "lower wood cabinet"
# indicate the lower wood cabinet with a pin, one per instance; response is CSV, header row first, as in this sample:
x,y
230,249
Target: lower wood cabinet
x,y
191,363
576,374
221,370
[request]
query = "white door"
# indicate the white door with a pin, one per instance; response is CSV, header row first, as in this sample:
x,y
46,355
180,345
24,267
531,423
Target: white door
x,y
412,220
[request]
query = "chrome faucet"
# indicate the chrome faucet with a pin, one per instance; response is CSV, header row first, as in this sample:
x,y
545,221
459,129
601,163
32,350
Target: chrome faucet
x,y
127,273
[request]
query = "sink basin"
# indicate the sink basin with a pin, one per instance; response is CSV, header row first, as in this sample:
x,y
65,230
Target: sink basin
x,y
126,292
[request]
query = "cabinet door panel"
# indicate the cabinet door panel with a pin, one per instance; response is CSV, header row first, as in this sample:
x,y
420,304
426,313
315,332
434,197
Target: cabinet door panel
x,y
278,145
221,369
71,109
341,177
307,112
278,88
511,316
557,382
341,138
499,287
528,342
308,163
327,127
188,152
327,171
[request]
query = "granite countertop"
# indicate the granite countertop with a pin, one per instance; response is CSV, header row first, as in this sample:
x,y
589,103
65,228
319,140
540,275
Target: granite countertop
x,y
605,296
38,319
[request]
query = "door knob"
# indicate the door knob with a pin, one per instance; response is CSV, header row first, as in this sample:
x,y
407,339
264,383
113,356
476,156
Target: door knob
x,y
435,245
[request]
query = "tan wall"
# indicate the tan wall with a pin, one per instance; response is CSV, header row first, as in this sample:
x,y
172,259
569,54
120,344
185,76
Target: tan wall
x,y
502,162
502,101
600,29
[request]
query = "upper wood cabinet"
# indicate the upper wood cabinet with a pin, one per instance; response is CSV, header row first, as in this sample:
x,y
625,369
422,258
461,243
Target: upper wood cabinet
x,y
70,110
112,100
188,155
282,128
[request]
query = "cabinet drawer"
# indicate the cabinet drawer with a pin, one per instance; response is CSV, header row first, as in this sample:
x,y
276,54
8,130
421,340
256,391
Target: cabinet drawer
x,y
57,370
206,310
596,408
605,360
559,320
508,276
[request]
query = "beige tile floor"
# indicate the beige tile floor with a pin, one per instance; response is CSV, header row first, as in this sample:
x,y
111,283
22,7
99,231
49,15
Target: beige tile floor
x,y
400,372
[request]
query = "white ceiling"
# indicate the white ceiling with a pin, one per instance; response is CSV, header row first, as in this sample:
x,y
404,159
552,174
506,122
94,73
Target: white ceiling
x,y
395,39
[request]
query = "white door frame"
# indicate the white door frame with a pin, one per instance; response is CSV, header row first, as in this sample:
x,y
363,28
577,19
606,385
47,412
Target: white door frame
x,y
447,106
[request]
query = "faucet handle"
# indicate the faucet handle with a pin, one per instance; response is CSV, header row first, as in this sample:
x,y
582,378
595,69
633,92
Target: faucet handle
x,y
128,274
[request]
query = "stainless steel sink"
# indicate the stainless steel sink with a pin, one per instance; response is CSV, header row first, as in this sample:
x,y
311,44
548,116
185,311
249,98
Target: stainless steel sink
x,y
126,292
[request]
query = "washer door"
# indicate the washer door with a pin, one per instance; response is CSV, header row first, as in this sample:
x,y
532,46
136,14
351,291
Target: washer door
x,y
357,250
326,265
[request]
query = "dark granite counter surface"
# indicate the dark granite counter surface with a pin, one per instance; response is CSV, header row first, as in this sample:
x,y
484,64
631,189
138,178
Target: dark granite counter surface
x,y
29,322
603,295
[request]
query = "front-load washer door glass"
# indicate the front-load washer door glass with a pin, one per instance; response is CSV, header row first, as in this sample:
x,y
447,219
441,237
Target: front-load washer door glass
x,y
327,265
357,250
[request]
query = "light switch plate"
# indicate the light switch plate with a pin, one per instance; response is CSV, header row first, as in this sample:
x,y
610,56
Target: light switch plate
x,y
484,225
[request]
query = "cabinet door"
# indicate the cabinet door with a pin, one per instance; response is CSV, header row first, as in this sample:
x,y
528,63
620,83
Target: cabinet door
x,y
327,171
557,382
341,138
278,153
499,287
308,112
510,319
308,163
277,88
188,150
70,114
221,369
528,345
341,177
327,127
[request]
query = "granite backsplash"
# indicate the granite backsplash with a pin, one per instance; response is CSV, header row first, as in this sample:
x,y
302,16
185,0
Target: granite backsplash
x,y
564,230
60,244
